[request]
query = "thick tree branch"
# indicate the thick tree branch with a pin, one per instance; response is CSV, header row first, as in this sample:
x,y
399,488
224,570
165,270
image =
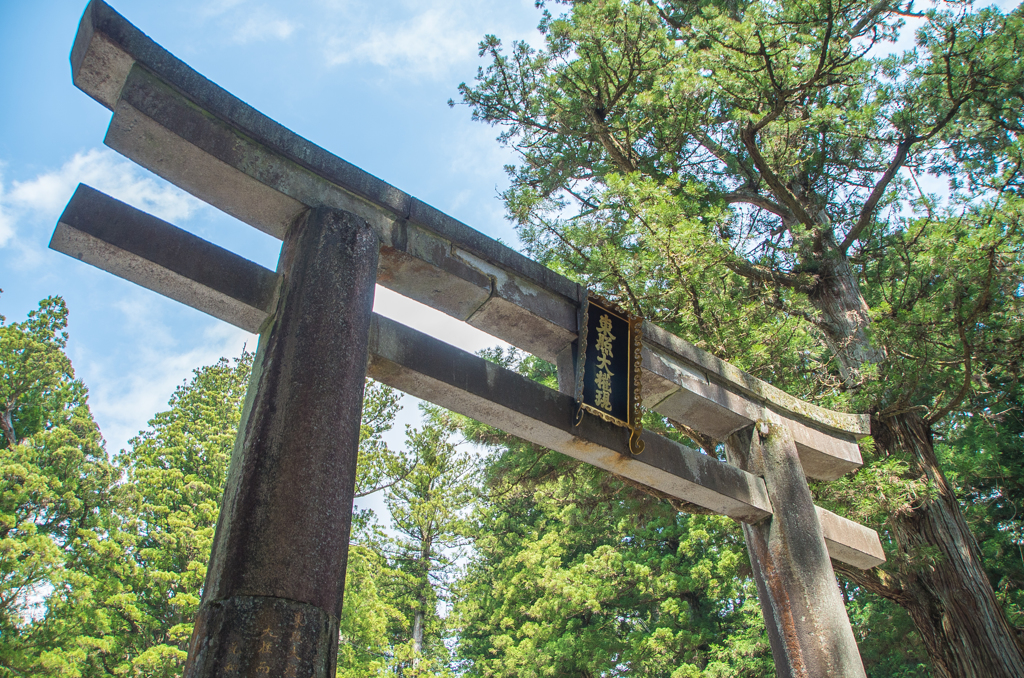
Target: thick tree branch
x,y
664,16
620,155
7,426
749,137
778,304
741,266
750,198
730,159
872,14
878,581
825,43
902,151
868,210
763,51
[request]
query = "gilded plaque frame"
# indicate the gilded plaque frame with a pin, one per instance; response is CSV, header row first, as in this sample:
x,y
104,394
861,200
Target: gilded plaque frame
x,y
634,411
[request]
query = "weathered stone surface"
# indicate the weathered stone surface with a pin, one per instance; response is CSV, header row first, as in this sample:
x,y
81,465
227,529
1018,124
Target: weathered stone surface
x,y
565,369
162,130
474,242
150,252
442,374
256,637
106,39
807,624
706,407
675,388
435,371
523,313
850,542
418,264
719,371
825,455
285,519
100,60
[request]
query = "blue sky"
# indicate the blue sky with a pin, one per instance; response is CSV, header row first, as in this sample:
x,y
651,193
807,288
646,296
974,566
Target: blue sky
x,y
369,81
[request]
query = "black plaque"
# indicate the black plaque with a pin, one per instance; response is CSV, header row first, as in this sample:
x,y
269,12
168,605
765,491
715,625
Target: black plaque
x,y
608,366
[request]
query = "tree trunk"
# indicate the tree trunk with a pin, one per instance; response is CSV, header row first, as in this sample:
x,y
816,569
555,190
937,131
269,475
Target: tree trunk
x,y
417,632
421,601
7,427
845,316
950,599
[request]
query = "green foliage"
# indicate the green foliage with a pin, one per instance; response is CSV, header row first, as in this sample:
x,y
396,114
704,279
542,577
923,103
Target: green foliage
x,y
985,454
372,616
55,478
134,585
946,302
379,465
428,510
575,574
104,580
886,638
397,579
748,175
709,165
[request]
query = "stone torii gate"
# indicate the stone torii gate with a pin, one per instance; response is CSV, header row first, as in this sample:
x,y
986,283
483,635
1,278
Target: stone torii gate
x,y
274,587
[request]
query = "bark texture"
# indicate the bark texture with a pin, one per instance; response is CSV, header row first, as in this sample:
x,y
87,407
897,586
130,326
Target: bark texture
x,y
845,317
950,599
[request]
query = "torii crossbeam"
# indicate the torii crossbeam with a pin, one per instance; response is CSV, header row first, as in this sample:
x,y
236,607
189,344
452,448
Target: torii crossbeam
x,y
274,588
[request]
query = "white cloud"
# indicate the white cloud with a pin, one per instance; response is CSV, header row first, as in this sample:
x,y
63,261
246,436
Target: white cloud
x,y
128,387
6,220
106,171
428,43
44,197
212,8
424,38
261,24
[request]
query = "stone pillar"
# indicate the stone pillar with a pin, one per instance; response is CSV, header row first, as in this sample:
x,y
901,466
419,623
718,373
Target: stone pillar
x,y
807,623
274,587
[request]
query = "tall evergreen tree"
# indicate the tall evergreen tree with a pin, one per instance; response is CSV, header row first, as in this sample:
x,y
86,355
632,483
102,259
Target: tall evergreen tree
x,y
374,623
134,584
751,175
577,574
428,512
55,478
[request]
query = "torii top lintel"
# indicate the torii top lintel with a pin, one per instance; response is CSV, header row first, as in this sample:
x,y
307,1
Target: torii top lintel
x,y
170,119
241,161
